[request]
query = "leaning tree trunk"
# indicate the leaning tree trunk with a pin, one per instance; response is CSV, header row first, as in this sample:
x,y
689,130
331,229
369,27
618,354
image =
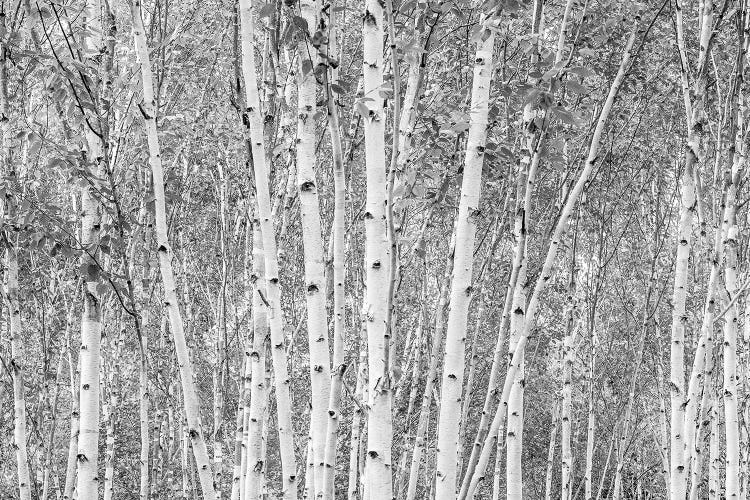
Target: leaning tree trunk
x,y
190,396
546,271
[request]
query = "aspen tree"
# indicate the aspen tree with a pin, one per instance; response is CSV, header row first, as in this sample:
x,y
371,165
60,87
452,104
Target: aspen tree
x,y
663,437
243,409
220,334
533,140
109,409
567,389
17,361
312,241
526,181
90,355
551,452
143,392
339,273
74,376
555,240
355,455
730,386
682,414
253,476
606,465
190,397
260,171
378,482
468,213
714,457
437,344
591,421
731,423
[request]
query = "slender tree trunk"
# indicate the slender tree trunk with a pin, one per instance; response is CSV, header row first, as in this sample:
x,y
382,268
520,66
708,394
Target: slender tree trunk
x,y
378,482
17,365
424,412
190,396
90,356
17,362
591,423
254,476
555,240
731,419
683,408
714,457
455,342
312,241
70,471
339,277
568,360
551,452
355,458
275,315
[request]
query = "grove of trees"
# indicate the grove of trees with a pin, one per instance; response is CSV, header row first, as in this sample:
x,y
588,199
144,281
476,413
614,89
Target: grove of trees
x,y
374,249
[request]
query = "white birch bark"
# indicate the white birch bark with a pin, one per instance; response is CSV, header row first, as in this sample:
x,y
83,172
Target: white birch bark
x,y
260,170
378,481
339,277
90,355
731,417
312,241
424,411
254,461
16,362
551,452
555,240
171,303
468,212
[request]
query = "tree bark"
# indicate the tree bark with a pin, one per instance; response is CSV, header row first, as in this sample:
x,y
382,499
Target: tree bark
x,y
378,482
171,304
468,213
275,315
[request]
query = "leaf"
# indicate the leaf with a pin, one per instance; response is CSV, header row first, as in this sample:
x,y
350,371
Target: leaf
x,y
581,71
576,87
566,116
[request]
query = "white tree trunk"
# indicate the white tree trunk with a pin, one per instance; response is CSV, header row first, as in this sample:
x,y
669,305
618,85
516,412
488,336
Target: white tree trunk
x,y
260,170
468,211
378,482
190,396
312,241
546,271
255,465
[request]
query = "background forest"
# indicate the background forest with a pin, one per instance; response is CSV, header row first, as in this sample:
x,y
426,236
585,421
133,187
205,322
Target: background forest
x,y
374,249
